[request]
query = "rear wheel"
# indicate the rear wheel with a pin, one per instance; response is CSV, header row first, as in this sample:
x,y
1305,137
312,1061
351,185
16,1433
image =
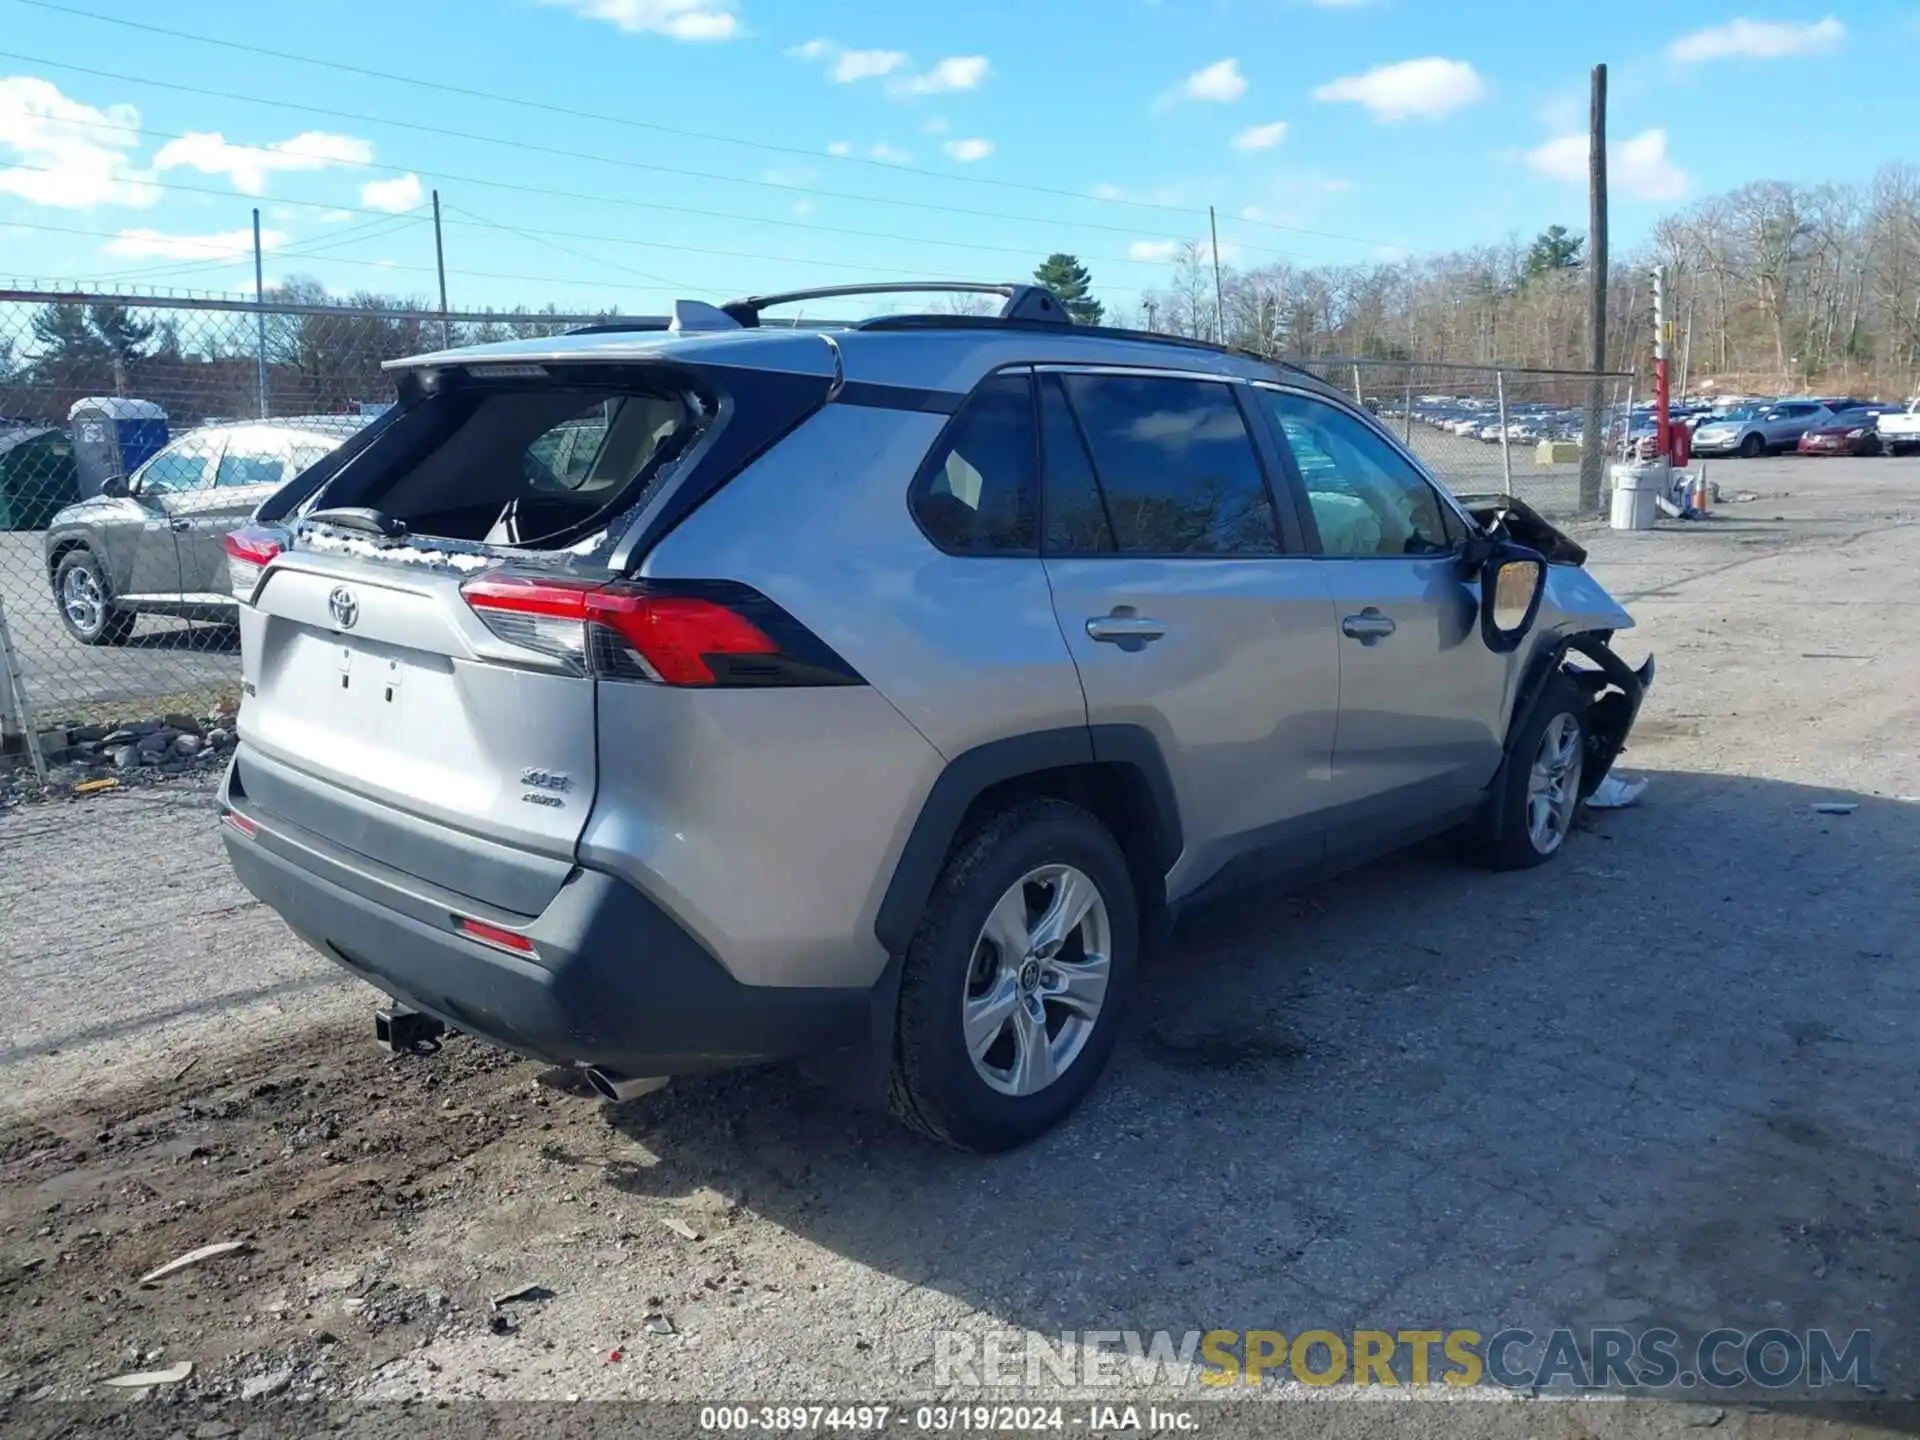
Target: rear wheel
x,y
1752,448
86,604
1011,993
1530,813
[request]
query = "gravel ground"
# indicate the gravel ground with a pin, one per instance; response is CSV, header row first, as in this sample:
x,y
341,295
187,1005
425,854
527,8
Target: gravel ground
x,y
1668,1080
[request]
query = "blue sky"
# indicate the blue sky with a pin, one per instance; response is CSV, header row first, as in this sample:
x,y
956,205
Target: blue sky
x,y
743,145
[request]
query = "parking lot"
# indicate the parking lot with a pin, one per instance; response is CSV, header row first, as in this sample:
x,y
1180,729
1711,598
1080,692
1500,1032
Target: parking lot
x,y
1667,1080
165,658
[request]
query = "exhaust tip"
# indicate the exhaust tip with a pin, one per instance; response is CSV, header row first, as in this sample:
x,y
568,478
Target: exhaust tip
x,y
615,1088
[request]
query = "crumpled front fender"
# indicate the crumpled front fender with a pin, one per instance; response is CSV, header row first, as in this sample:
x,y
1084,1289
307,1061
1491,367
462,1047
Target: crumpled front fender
x,y
1576,602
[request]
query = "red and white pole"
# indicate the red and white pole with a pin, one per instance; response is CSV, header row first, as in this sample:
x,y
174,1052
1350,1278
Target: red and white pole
x,y
1662,398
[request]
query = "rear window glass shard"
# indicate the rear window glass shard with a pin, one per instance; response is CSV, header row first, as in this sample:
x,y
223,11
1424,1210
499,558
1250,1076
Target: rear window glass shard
x,y
524,465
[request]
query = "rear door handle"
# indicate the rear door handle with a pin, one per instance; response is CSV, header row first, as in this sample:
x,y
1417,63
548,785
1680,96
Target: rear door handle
x,y
1125,629
1368,626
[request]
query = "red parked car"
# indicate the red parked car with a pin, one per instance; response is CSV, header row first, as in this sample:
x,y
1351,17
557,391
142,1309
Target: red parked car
x,y
1851,432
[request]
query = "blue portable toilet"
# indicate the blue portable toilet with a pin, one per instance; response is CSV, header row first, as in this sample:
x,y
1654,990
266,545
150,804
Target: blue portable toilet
x,y
113,436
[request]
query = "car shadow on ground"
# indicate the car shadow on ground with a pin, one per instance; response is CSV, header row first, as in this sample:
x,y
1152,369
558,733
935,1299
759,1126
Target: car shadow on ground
x,y
208,637
1666,1080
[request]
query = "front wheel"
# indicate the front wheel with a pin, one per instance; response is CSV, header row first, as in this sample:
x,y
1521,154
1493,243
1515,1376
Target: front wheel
x,y
1011,992
86,604
1752,448
1529,813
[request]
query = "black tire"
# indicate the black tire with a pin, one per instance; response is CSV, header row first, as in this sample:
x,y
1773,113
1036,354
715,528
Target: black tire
x,y
113,625
935,1087
1502,838
1752,448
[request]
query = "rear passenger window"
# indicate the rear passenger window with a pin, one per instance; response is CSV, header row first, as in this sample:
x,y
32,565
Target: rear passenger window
x,y
1076,515
975,494
1176,466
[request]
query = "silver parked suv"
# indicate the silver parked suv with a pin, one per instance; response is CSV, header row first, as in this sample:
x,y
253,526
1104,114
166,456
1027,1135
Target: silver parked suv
x,y
676,696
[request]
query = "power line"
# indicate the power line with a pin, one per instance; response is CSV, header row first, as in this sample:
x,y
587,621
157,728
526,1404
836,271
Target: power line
x,y
336,259
664,208
555,151
658,128
351,235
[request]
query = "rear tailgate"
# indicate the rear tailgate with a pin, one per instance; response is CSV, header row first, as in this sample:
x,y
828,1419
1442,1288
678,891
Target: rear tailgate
x,y
373,693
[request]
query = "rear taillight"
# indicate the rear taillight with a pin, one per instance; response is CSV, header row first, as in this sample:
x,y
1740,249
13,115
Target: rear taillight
x,y
670,633
249,550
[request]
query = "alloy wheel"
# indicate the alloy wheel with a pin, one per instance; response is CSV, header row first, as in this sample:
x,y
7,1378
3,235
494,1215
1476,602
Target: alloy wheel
x,y
1553,786
1038,980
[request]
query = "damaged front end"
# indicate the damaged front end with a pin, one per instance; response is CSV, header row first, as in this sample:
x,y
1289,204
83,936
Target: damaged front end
x,y
1614,693
1577,622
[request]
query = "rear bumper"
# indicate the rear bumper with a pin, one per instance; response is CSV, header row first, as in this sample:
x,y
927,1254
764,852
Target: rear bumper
x,y
612,980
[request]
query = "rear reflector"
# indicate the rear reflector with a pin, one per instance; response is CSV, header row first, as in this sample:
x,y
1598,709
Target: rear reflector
x,y
494,935
249,551
669,633
240,822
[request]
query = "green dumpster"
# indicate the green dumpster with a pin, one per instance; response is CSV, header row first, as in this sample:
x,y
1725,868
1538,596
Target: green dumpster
x,y
37,477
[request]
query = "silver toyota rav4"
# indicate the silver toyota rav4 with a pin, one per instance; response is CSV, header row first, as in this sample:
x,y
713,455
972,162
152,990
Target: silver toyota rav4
x,y
677,696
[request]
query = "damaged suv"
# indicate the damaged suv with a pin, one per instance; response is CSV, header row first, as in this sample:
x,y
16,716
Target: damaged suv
x,y
704,692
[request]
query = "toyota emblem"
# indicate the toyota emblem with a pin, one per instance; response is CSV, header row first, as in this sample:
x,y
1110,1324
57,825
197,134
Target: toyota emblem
x,y
344,608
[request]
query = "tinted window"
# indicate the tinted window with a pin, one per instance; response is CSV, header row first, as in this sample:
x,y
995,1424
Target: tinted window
x,y
184,466
257,468
1076,515
1176,466
975,495
1366,498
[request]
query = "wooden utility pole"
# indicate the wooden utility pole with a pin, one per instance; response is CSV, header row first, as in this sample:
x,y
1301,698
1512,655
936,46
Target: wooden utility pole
x,y
1593,449
440,264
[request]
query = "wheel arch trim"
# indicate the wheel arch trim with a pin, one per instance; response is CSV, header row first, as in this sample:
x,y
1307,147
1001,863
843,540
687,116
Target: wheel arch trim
x,y
971,774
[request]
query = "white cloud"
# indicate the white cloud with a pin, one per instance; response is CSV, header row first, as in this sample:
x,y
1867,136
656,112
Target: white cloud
x,y
334,217
1166,252
855,65
248,166
78,153
889,153
1261,137
842,148
1759,40
804,207
968,151
225,245
1427,89
1639,168
1221,83
678,19
401,193
956,72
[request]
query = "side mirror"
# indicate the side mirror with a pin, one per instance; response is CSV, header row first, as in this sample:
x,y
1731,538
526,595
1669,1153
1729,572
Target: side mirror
x,y
1512,582
119,487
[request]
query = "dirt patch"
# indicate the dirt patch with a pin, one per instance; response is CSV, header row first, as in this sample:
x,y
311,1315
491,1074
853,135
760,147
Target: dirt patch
x,y
316,1164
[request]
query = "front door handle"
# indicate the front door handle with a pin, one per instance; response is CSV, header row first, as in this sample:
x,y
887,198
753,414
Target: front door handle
x,y
1368,626
1125,628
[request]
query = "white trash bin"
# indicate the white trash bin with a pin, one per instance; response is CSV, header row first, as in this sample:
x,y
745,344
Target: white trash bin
x,y
1635,488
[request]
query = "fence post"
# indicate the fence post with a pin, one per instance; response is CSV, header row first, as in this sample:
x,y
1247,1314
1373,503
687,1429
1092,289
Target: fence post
x,y
16,710
1406,432
1506,442
260,312
1359,395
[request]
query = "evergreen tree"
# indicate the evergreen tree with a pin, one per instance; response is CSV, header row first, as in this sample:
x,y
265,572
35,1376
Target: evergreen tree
x,y
1070,283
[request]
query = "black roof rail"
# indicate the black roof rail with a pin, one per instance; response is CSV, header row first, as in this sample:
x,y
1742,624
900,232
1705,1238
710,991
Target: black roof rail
x,y
1098,332
1023,301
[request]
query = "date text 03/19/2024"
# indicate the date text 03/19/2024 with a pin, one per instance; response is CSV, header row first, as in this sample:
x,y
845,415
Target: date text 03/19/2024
x,y
1092,1419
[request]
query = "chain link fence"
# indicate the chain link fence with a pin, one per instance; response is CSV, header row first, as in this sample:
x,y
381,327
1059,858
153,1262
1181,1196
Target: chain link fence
x,y
1480,428
113,613
111,610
